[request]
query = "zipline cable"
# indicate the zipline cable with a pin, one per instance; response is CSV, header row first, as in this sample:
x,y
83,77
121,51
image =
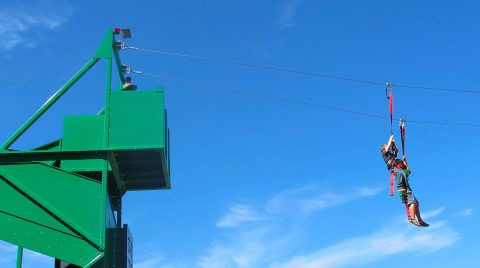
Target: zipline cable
x,y
255,65
289,100
289,70
251,93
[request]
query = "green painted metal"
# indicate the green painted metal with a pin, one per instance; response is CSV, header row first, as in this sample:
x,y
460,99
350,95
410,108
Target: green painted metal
x,y
105,49
83,133
47,185
137,120
19,256
118,63
48,104
62,195
52,204
54,146
117,175
138,138
44,155
106,126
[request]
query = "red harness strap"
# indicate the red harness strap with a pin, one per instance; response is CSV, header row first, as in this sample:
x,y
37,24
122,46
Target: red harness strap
x,y
390,98
402,134
389,86
391,183
390,102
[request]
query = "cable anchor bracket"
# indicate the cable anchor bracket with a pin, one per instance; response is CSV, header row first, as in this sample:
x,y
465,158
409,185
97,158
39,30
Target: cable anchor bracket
x,y
127,70
120,45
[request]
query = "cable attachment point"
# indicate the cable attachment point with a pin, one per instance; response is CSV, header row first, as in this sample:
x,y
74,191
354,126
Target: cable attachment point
x,y
130,47
402,123
120,45
388,86
127,70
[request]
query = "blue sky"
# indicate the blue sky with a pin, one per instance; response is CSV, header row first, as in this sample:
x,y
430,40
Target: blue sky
x,y
258,182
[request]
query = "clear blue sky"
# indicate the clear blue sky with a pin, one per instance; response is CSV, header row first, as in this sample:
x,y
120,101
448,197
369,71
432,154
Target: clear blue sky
x,y
264,183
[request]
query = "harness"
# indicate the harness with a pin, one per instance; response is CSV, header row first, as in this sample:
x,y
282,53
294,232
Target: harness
x,y
389,87
403,195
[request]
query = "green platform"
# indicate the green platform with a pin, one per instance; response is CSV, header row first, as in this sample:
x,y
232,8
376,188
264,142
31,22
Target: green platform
x,y
138,139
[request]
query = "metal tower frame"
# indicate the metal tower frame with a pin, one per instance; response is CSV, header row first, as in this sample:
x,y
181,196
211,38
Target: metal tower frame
x,y
64,198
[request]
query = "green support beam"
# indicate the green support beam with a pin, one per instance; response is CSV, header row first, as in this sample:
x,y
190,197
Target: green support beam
x,y
104,51
49,104
19,256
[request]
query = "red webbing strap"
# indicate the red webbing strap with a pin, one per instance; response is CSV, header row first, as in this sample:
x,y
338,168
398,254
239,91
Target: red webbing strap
x,y
402,134
390,98
390,102
403,140
392,176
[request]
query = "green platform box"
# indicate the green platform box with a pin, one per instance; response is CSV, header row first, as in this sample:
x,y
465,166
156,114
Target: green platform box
x,y
137,120
138,137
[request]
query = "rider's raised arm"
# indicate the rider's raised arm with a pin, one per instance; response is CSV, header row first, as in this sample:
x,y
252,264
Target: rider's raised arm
x,y
390,142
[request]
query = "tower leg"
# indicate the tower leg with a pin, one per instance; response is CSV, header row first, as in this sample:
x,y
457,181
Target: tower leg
x,y
19,256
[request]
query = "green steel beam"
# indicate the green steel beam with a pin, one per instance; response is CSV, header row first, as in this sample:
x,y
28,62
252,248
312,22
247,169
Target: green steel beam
x,y
104,50
29,156
116,172
48,104
106,128
119,65
25,222
108,90
79,230
94,261
19,256
103,212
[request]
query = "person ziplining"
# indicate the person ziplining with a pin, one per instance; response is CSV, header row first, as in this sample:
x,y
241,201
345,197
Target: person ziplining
x,y
399,169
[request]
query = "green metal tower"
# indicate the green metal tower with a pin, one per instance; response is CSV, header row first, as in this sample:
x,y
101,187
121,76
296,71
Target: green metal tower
x,y
64,199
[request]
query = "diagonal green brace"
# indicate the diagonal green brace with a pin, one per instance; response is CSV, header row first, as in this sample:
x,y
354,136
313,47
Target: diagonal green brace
x,y
41,202
49,104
